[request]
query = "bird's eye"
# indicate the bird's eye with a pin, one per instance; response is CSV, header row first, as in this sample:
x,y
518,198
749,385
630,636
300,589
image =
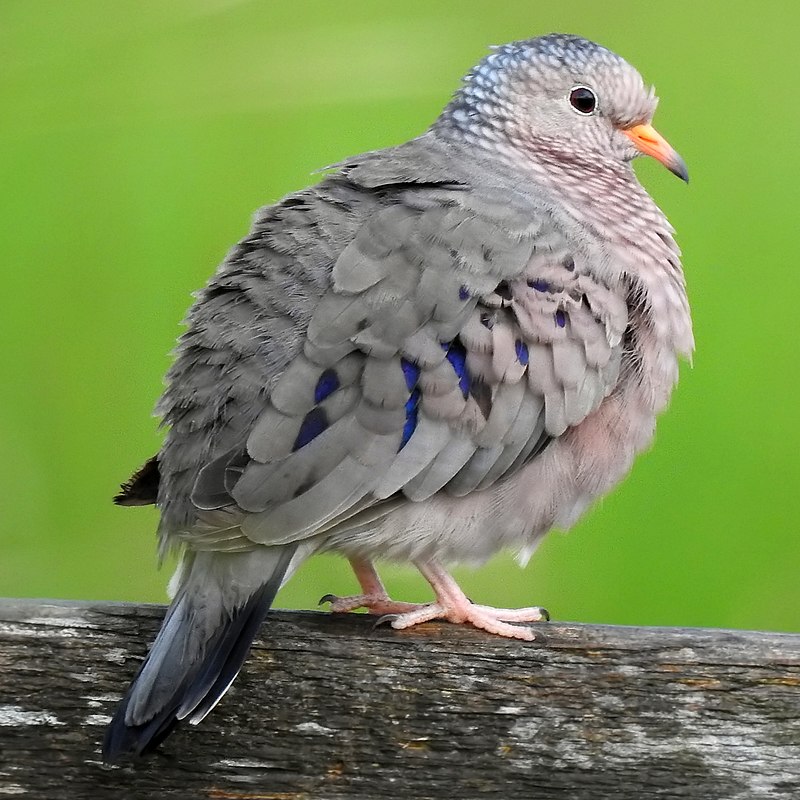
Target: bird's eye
x,y
583,100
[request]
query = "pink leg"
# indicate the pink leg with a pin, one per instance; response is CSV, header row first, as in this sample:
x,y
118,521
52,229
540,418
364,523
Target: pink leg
x,y
454,606
374,598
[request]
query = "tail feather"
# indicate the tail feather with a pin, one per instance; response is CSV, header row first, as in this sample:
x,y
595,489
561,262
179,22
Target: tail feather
x,y
202,644
219,672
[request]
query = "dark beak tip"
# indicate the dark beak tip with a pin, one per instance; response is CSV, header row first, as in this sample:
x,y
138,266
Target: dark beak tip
x,y
680,169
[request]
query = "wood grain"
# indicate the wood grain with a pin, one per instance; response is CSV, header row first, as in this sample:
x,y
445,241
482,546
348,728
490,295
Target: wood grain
x,y
331,707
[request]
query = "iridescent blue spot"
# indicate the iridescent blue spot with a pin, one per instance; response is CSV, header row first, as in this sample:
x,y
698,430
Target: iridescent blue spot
x,y
561,318
539,285
457,356
327,384
522,351
411,373
412,416
314,423
463,293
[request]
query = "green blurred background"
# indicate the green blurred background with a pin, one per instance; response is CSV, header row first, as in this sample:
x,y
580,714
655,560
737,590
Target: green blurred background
x,y
136,140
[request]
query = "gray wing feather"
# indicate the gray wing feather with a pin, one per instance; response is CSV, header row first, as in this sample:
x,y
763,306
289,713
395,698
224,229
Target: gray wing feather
x,y
304,515
527,425
430,438
449,340
443,467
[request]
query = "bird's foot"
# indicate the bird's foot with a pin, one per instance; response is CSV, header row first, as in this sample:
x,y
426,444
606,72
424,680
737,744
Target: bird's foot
x,y
487,618
375,603
454,606
451,604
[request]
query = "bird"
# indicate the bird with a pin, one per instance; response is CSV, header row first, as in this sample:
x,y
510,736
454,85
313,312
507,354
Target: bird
x,y
442,350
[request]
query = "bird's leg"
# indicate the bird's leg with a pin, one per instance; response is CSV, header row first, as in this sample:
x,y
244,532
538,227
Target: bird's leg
x,y
454,606
374,598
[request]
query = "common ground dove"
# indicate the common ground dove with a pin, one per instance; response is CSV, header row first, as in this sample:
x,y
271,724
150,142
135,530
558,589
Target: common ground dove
x,y
442,350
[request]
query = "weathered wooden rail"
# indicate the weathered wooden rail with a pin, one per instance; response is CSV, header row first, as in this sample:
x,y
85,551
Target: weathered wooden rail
x,y
330,707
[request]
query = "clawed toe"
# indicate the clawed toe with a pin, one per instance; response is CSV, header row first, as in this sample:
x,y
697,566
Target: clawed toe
x,y
531,614
341,605
327,598
374,603
482,617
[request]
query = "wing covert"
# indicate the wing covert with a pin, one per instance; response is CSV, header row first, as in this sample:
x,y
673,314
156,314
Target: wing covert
x,y
459,336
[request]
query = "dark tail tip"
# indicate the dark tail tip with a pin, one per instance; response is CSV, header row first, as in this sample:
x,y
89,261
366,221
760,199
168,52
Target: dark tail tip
x,y
136,740
204,682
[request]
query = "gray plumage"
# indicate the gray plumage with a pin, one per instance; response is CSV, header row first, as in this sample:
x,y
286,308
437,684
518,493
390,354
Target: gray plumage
x,y
441,350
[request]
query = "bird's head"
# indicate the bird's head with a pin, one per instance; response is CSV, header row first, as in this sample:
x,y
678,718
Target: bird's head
x,y
564,95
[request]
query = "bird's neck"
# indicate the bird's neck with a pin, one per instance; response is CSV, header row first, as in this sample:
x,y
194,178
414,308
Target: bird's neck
x,y
601,192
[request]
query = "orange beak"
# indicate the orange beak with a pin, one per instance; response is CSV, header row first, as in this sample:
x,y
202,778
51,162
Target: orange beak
x,y
650,142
